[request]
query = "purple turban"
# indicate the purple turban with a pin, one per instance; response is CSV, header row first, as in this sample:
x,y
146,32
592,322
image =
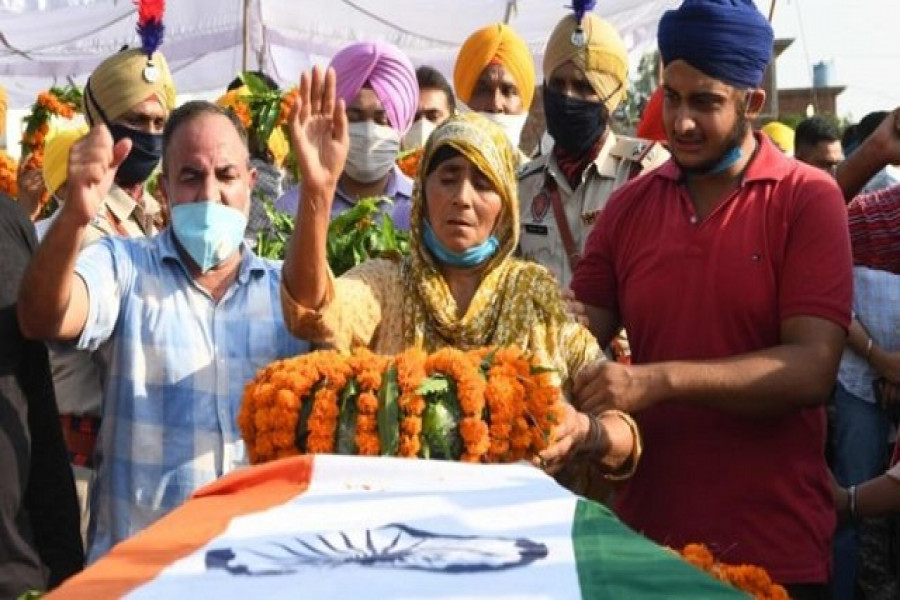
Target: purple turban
x,y
388,72
729,40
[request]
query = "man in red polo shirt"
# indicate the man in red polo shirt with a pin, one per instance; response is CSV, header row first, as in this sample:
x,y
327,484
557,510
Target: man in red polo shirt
x,y
730,268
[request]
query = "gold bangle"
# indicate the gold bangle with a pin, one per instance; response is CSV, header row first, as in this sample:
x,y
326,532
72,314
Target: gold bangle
x,y
637,448
869,345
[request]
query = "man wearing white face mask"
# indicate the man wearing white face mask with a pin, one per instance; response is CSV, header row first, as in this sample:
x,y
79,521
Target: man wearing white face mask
x,y
378,84
494,76
436,104
182,320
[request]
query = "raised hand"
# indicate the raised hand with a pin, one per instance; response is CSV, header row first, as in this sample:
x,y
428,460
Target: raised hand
x,y
93,162
319,137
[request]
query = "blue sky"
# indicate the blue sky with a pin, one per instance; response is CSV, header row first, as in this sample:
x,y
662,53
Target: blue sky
x,y
859,37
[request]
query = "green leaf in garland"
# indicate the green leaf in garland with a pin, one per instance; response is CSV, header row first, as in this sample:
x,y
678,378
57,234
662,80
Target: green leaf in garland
x,y
436,384
440,427
269,117
306,406
346,435
389,413
485,365
254,84
536,370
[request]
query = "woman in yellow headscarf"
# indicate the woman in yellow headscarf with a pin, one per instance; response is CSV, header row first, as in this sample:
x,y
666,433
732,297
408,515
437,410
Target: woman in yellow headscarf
x,y
459,287
494,75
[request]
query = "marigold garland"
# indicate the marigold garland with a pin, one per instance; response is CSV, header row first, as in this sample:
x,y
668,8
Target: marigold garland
x,y
506,406
9,175
409,162
61,102
748,578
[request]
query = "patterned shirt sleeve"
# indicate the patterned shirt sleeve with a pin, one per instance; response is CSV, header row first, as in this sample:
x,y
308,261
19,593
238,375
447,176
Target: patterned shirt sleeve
x,y
105,267
353,307
874,220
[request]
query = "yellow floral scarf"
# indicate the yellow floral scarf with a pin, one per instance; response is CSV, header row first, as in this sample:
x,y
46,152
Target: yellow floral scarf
x,y
517,302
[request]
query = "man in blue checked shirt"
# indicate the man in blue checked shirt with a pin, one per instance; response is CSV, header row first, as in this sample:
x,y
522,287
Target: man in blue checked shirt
x,y
181,321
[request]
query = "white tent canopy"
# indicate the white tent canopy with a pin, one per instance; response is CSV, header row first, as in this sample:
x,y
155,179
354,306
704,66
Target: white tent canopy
x,y
47,42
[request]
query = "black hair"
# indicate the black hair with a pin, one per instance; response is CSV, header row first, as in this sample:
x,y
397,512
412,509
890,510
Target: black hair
x,y
815,130
430,78
189,111
849,139
869,123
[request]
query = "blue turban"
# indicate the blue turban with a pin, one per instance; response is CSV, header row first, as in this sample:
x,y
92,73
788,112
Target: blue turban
x,y
729,40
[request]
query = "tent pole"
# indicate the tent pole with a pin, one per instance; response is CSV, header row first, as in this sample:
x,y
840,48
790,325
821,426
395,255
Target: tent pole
x,y
772,10
246,35
510,7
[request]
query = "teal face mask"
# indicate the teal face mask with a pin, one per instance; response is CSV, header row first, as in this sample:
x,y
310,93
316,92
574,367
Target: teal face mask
x,y
208,231
471,257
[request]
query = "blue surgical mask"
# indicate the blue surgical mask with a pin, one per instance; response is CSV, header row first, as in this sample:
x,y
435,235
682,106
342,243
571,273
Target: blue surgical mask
x,y
471,257
208,231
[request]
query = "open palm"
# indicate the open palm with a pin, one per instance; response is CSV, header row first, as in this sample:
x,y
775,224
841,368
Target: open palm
x,y
318,128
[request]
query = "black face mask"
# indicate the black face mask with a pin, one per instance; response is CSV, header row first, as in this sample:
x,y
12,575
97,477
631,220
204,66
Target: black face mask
x,y
146,150
574,124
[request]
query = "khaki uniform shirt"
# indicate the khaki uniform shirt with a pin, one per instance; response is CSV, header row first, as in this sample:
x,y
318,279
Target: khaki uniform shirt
x,y
76,379
619,159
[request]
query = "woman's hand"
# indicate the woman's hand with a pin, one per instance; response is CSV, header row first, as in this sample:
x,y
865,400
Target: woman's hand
x,y
319,136
568,438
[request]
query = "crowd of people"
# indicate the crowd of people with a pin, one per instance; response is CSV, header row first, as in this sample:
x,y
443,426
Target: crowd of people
x,y
752,270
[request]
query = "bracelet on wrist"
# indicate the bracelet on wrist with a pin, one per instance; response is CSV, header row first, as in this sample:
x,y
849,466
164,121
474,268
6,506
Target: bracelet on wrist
x,y
851,501
869,345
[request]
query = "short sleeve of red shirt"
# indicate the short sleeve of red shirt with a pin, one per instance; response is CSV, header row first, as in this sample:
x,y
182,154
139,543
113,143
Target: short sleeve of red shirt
x,y
800,209
817,274
594,277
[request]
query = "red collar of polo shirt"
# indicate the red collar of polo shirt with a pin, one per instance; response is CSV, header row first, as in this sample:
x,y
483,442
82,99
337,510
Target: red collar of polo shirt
x,y
770,163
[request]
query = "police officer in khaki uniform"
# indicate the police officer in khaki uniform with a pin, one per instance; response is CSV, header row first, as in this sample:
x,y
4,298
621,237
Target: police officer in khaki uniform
x,y
585,78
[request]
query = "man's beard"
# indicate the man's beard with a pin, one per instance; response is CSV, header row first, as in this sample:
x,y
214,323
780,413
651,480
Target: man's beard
x,y
734,139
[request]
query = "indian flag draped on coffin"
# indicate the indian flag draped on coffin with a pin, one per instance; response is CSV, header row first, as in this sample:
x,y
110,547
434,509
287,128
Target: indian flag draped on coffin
x,y
353,527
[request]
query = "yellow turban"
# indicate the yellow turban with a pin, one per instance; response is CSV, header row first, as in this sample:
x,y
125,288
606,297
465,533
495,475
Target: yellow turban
x,y
2,109
119,83
495,42
602,58
56,156
781,135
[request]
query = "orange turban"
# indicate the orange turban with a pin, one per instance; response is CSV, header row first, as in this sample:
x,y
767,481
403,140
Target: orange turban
x,y
497,42
650,126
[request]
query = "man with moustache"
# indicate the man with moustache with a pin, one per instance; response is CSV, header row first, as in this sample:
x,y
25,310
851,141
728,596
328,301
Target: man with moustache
x,y
730,268
183,319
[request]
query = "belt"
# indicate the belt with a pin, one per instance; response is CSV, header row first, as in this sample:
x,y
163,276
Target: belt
x,y
80,433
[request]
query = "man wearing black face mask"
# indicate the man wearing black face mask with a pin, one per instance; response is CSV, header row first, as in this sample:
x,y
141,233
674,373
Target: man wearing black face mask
x,y
132,94
585,79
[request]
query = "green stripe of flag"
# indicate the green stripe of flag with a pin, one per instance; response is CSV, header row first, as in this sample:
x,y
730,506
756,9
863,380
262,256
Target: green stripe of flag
x,y
615,562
